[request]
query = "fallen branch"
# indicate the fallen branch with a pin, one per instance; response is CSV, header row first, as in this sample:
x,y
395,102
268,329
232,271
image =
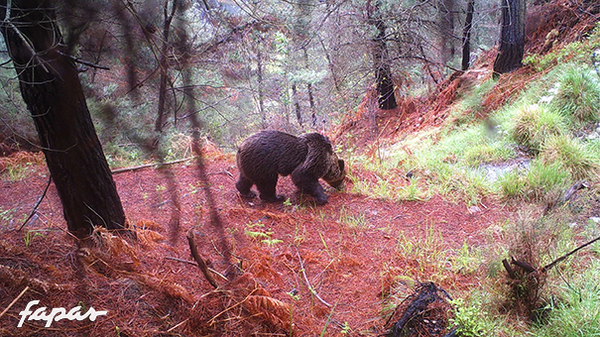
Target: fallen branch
x,y
201,264
14,301
312,290
225,172
528,269
37,204
553,263
133,168
196,264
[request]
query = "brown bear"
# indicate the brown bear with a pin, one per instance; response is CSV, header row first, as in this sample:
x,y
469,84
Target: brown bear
x,y
265,155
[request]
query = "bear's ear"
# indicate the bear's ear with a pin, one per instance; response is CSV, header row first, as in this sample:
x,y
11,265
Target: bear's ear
x,y
341,164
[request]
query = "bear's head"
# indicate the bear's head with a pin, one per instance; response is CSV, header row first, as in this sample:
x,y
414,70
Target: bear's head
x,y
322,160
337,172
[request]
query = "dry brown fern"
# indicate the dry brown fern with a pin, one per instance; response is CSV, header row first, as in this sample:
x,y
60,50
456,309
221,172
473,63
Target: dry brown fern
x,y
276,312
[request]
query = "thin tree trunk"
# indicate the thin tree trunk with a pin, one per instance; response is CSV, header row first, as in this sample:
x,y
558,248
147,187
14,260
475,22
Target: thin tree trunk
x,y
336,81
296,103
446,30
311,99
313,109
50,86
383,73
512,37
466,42
164,65
261,95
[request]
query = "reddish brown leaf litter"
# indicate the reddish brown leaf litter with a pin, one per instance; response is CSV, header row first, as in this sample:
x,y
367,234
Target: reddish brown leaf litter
x,y
350,251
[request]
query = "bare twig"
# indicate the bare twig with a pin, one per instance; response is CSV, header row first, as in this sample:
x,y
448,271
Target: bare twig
x,y
83,62
201,264
312,290
225,172
178,325
196,264
530,269
14,301
553,263
37,204
133,168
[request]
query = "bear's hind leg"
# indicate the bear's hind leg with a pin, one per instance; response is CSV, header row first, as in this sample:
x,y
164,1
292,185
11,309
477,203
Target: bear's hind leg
x,y
243,185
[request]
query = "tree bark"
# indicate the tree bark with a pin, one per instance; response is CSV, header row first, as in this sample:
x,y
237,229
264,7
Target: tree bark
x,y
466,42
261,85
311,98
383,73
446,30
50,87
164,64
296,103
512,37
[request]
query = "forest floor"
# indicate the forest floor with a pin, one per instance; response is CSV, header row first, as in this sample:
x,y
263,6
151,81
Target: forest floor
x,y
360,255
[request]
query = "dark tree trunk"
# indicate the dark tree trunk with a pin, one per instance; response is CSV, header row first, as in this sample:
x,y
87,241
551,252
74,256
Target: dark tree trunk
x,y
466,42
261,95
311,98
50,86
383,73
164,64
512,37
313,108
297,103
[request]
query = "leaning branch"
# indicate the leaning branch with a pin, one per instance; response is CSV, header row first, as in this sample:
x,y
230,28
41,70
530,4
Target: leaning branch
x,y
14,301
312,290
196,264
553,263
199,260
37,204
89,64
133,168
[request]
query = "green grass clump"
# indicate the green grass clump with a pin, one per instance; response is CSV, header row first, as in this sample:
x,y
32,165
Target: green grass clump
x,y
542,181
534,124
470,320
574,155
578,95
576,312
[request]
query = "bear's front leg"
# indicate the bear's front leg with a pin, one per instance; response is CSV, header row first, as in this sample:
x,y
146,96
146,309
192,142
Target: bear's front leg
x,y
243,185
309,185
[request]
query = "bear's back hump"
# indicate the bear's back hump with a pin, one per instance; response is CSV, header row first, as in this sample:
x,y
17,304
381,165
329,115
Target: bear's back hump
x,y
273,150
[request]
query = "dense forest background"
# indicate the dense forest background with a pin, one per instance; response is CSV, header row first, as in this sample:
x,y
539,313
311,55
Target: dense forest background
x,y
244,66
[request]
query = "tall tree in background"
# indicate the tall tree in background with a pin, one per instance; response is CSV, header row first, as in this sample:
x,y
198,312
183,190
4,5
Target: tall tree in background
x,y
466,41
301,26
512,37
446,48
163,62
50,87
383,72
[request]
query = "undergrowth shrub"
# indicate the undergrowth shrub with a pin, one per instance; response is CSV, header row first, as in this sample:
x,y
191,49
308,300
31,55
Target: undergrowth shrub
x,y
529,241
578,95
470,320
579,159
534,124
541,182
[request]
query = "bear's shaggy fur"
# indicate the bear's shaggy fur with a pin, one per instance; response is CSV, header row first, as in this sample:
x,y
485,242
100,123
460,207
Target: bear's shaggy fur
x,y
265,155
